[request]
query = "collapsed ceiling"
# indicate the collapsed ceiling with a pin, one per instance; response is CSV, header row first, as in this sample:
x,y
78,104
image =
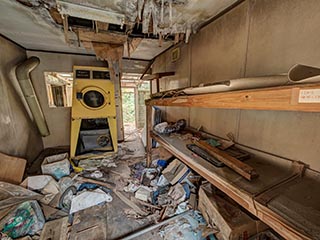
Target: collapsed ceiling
x,y
144,27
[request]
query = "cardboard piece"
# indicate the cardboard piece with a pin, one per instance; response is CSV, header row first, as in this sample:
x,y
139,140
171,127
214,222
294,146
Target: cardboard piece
x,y
143,194
12,168
175,171
228,217
55,230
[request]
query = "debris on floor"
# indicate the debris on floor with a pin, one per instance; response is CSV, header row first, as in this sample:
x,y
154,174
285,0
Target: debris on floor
x,y
112,197
57,165
25,219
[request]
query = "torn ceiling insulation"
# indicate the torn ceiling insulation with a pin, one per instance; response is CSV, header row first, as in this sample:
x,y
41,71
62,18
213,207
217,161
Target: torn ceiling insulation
x,y
157,24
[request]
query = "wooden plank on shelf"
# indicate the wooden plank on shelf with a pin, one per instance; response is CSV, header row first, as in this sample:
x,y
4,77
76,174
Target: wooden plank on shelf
x,y
279,224
203,168
277,98
240,167
298,169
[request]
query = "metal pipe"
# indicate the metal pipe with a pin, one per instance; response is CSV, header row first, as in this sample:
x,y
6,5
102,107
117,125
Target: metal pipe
x,y
23,75
152,227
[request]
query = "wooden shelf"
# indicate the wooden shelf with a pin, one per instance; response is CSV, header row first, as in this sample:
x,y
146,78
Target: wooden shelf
x,y
281,195
260,196
277,98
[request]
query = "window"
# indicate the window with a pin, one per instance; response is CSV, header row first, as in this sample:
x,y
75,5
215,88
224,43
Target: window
x,y
59,89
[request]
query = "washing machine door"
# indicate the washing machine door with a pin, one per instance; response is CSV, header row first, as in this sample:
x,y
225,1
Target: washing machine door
x,y
94,98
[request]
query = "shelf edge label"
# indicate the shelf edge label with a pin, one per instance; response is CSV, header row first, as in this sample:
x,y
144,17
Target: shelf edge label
x,y
309,96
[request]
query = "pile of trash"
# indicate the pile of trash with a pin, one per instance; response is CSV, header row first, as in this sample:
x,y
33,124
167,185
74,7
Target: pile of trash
x,y
163,196
61,190
42,203
166,187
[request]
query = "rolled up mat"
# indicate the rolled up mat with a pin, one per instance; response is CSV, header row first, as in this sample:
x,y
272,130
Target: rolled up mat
x,y
303,74
239,84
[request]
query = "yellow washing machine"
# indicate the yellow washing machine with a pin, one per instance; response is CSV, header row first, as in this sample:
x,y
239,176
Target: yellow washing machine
x,y
93,113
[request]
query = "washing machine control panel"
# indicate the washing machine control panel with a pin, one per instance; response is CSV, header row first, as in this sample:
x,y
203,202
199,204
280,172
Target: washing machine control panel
x,y
92,74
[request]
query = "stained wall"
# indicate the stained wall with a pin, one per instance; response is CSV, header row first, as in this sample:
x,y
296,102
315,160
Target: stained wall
x,y
256,38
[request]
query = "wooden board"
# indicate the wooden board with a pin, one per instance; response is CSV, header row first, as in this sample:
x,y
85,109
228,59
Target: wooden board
x,y
55,230
111,38
243,169
277,98
12,168
231,220
89,223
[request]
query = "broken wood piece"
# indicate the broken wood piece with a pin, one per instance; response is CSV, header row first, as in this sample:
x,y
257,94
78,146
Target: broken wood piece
x,y
243,169
102,26
176,38
229,218
111,38
108,52
66,28
12,168
130,203
225,144
55,230
145,203
132,44
147,69
97,231
152,227
175,171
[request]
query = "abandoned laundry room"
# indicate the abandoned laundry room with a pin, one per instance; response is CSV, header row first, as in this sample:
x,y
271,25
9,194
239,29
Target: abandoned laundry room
x,y
159,119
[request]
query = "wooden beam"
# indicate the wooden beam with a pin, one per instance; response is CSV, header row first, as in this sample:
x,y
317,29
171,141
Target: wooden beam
x,y
65,28
147,68
149,139
243,169
158,75
100,37
102,26
108,52
277,98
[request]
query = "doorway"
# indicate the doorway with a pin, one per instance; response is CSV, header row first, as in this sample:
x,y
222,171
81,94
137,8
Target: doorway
x,y
134,93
